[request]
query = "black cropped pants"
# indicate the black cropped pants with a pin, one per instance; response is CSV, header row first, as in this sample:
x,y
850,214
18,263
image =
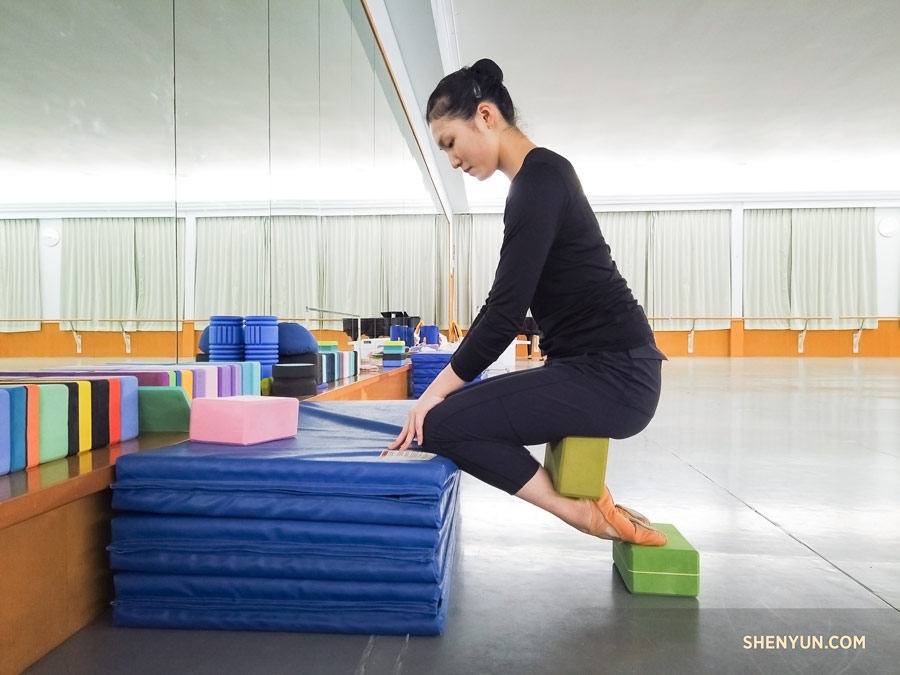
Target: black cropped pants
x,y
485,427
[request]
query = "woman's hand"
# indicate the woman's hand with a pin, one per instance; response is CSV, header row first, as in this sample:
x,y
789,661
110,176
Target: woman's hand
x,y
413,428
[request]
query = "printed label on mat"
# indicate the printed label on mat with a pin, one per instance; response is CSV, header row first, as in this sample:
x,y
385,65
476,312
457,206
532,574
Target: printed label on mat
x,y
406,454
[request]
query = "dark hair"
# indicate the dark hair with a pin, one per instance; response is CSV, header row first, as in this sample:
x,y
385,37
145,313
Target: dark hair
x,y
460,93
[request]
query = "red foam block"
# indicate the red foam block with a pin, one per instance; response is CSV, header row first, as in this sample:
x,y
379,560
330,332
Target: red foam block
x,y
243,420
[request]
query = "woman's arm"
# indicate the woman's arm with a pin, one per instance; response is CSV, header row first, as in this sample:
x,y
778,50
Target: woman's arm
x,y
440,388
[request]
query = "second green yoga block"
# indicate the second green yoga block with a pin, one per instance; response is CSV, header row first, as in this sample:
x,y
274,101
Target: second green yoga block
x,y
577,465
673,569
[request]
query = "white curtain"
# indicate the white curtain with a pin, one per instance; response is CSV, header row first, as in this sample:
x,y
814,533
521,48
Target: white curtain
x,y
412,264
20,275
477,241
443,246
690,269
767,267
833,272
232,271
159,272
351,264
296,272
97,278
627,234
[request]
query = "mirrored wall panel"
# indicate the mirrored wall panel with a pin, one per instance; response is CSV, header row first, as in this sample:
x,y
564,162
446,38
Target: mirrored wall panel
x,y
169,160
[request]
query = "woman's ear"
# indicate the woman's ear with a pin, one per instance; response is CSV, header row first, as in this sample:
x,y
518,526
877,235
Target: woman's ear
x,y
488,114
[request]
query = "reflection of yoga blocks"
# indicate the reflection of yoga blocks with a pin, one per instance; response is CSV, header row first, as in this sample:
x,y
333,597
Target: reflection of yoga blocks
x,y
244,420
673,569
577,465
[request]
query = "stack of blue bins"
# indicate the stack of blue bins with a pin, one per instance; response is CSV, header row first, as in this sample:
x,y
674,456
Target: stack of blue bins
x,y
261,342
226,338
324,532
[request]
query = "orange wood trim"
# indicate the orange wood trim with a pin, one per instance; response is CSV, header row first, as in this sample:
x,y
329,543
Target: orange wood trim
x,y
55,579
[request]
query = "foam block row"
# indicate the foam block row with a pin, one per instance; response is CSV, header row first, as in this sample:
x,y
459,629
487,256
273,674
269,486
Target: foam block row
x,y
197,380
47,419
110,396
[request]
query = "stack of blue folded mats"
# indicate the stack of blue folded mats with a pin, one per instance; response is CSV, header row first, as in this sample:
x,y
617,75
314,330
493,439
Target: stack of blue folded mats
x,y
325,532
426,365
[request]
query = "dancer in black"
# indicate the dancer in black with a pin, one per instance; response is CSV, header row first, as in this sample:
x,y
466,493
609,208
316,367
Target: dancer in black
x,y
602,374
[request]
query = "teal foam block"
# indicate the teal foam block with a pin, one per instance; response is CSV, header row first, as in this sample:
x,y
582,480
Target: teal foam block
x,y
5,432
18,418
163,409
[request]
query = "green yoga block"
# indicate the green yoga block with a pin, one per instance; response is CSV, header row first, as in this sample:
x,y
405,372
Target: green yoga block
x,y
673,569
54,424
163,409
577,465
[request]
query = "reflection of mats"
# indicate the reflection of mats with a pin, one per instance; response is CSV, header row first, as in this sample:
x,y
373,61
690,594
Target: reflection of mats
x,y
322,532
290,478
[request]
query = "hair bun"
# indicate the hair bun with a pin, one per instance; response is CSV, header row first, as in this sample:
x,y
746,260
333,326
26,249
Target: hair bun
x,y
488,67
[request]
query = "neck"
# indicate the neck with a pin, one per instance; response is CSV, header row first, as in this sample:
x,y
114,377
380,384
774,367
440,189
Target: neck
x,y
514,145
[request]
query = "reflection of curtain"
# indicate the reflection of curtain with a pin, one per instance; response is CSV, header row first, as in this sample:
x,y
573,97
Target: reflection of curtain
x,y
20,275
97,278
351,265
159,272
442,268
295,266
232,277
767,267
412,265
477,239
833,266
690,268
626,233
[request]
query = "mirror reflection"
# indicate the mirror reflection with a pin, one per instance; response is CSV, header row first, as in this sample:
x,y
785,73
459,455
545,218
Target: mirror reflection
x,y
165,161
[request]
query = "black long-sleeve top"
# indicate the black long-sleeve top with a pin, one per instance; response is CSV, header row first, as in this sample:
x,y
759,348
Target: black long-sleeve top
x,y
554,260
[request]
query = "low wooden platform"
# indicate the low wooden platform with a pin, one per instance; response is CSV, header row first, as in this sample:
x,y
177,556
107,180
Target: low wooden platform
x,y
55,527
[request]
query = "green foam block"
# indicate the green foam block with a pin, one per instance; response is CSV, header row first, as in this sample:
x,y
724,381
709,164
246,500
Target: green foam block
x,y
673,569
577,465
163,409
54,423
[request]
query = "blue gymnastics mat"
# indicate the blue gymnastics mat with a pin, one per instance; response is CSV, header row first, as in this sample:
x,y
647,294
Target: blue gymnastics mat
x,y
324,532
338,453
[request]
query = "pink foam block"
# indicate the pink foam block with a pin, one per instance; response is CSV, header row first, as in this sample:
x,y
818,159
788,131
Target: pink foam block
x,y
243,420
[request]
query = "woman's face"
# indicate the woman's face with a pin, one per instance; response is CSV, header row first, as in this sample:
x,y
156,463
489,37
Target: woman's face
x,y
469,145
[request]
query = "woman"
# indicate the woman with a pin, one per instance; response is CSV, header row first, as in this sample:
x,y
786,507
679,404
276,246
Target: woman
x,y
602,375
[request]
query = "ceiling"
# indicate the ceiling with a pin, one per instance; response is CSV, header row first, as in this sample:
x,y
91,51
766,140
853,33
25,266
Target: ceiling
x,y
656,98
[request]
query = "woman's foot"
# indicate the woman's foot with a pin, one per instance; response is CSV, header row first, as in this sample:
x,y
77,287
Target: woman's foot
x,y
633,515
618,523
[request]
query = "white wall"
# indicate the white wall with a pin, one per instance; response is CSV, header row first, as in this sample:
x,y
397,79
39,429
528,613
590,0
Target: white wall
x,y
888,262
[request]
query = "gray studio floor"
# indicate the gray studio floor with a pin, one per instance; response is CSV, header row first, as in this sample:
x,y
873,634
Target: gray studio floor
x,y
783,473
